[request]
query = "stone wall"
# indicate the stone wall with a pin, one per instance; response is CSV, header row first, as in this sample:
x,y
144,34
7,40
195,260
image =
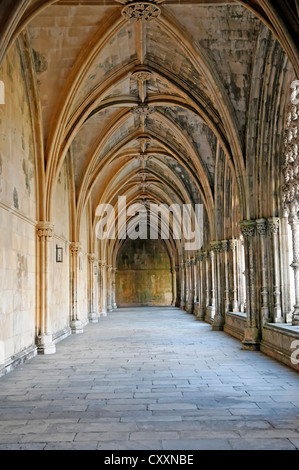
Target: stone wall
x,y
143,274
60,272
17,214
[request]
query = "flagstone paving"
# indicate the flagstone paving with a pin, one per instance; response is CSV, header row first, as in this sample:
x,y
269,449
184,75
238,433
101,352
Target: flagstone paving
x,y
150,378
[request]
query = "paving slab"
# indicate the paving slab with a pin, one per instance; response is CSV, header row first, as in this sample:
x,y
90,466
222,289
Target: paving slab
x,y
153,379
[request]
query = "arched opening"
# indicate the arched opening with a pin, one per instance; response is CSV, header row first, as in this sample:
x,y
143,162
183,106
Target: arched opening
x,y
143,276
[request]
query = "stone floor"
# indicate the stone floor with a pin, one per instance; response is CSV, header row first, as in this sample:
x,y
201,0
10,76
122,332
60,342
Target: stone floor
x,y
150,379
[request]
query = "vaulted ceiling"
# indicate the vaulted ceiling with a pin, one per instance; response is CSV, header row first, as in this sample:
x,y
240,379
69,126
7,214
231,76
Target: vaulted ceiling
x,y
147,108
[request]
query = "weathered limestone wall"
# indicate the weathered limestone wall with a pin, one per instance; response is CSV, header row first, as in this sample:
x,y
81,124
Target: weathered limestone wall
x,y
143,274
83,270
17,214
60,272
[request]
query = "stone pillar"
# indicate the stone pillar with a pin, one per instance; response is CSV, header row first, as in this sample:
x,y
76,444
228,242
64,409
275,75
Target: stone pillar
x,y
114,306
207,272
195,281
196,285
290,194
225,273
103,290
251,339
219,313
177,280
45,344
261,228
76,324
109,288
173,286
294,222
92,314
213,283
241,274
273,227
201,307
189,300
233,276
286,274
183,286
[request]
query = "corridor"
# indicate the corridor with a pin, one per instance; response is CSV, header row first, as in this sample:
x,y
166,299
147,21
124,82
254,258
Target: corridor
x,y
150,378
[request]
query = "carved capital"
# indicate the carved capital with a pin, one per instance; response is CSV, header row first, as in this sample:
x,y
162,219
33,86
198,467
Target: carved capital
x,y
216,247
261,227
91,258
232,244
45,230
273,225
224,246
248,228
75,248
102,264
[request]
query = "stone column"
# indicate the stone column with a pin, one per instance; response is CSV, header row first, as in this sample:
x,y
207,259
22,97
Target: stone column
x,y
76,324
207,272
273,227
201,308
114,306
290,193
188,305
213,282
294,222
177,280
92,315
233,276
183,286
195,281
197,285
109,288
261,228
173,286
241,274
251,339
45,344
103,290
225,272
219,314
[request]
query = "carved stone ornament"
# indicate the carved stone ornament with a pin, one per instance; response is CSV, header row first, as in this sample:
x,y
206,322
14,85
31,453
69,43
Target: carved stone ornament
x,y
248,228
232,244
224,246
261,227
144,157
142,75
75,248
142,110
45,230
141,11
273,224
144,139
290,167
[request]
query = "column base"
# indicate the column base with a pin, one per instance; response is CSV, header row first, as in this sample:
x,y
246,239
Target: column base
x,y
109,309
76,327
103,313
188,307
199,312
218,323
45,345
251,340
114,307
93,317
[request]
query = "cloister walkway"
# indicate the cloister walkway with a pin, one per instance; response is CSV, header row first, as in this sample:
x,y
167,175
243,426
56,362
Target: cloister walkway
x,y
150,378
